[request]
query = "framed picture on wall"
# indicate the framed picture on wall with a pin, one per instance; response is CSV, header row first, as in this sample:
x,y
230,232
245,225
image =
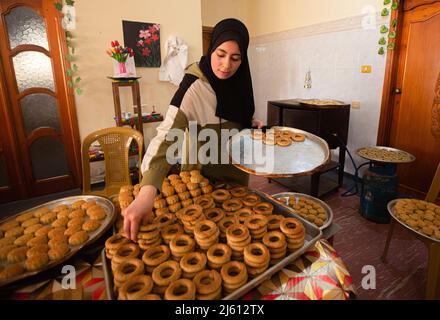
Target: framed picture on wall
x,y
144,38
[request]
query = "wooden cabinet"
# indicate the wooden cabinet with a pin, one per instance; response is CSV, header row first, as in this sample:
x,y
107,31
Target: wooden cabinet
x,y
328,122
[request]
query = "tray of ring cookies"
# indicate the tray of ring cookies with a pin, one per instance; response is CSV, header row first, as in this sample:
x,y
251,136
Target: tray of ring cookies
x,y
45,236
419,216
297,152
206,242
310,208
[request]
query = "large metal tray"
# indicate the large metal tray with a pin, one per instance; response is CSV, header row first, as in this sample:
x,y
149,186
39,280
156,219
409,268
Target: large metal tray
x,y
93,236
285,196
313,234
299,159
390,207
406,157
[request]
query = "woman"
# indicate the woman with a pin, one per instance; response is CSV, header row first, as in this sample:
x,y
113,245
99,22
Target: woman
x,y
217,94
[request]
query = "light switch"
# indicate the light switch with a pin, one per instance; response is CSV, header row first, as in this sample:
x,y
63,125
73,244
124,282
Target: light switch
x,y
366,69
356,104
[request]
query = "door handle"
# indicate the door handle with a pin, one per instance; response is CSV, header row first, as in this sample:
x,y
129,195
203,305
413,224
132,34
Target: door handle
x,y
397,91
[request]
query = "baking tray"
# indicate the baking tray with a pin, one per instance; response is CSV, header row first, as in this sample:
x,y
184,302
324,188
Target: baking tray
x,y
313,234
299,159
409,157
390,207
284,197
93,236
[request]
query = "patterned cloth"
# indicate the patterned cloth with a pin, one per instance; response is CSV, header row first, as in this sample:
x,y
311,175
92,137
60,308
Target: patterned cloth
x,y
319,274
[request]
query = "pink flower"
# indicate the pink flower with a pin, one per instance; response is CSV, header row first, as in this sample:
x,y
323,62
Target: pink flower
x,y
146,52
147,41
157,26
152,29
155,37
144,34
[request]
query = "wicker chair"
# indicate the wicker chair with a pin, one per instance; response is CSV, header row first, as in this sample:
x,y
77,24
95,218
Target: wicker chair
x,y
115,143
433,272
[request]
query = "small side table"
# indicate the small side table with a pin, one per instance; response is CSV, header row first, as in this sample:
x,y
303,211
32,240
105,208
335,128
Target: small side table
x,y
134,84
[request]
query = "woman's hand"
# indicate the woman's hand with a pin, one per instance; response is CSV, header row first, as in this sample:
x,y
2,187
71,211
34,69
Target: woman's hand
x,y
257,123
139,212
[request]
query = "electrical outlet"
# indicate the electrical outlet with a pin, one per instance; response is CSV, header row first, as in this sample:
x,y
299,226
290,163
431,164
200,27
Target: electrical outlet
x,y
356,104
366,69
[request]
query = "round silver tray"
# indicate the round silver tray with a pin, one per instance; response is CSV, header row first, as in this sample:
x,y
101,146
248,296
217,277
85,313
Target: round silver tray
x,y
284,198
299,159
390,208
410,157
106,224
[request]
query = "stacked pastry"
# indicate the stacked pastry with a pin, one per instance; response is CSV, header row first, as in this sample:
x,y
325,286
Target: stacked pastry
x,y
294,232
230,231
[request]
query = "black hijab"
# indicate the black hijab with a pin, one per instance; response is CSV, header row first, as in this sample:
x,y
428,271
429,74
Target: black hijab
x,y
235,98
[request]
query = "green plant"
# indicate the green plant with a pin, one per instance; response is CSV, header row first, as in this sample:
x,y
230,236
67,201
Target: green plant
x,y
389,7
72,71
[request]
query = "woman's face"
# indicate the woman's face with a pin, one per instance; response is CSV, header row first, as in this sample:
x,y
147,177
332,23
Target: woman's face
x,y
226,59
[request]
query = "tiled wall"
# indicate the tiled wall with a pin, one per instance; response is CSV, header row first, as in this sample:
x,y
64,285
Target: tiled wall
x,y
334,58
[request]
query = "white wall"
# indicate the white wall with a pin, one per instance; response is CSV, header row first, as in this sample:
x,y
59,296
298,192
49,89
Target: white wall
x,y
334,51
98,23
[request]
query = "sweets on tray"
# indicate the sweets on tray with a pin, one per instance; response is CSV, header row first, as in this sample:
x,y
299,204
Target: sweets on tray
x,y
203,243
32,240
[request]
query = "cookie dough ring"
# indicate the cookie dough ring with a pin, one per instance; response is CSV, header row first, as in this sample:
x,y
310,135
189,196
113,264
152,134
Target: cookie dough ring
x,y
232,205
256,255
263,208
219,254
116,241
256,222
215,214
166,273
225,223
244,214
273,221
298,137
239,192
156,255
191,213
127,269
205,229
283,141
182,244
237,233
193,262
233,273
221,195
126,251
251,200
137,287
170,231
207,281
206,202
274,240
182,289
291,227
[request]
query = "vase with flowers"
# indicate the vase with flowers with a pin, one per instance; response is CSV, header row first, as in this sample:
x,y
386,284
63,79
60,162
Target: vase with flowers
x,y
120,55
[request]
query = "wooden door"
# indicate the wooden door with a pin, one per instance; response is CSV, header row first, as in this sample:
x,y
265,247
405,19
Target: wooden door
x,y
207,36
413,94
39,147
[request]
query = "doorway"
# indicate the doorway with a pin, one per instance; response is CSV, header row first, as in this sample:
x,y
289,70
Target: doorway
x,y
39,143
410,116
